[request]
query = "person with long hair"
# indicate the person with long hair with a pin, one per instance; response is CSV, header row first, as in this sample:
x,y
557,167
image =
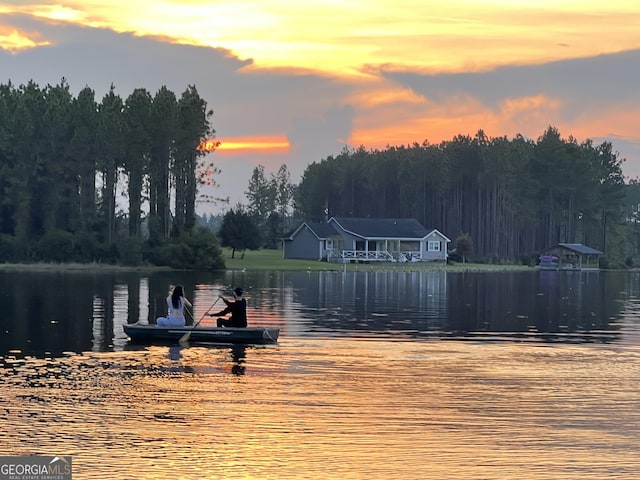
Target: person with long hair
x,y
175,305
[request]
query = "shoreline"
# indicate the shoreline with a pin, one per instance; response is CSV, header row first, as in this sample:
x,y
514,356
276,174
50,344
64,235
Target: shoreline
x,y
283,265
272,260
80,267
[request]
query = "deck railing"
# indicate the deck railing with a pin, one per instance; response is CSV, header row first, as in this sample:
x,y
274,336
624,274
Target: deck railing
x,y
348,256
410,257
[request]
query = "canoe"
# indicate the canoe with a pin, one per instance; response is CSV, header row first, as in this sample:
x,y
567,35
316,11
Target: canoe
x,y
153,334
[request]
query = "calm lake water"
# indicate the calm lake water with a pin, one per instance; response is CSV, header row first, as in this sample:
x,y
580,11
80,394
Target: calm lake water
x,y
377,375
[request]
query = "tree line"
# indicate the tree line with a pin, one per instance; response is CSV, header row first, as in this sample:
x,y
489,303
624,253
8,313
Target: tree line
x,y
266,218
64,159
513,197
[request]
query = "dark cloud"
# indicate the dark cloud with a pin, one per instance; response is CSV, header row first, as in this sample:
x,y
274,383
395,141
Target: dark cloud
x,y
331,130
595,80
628,150
304,106
97,58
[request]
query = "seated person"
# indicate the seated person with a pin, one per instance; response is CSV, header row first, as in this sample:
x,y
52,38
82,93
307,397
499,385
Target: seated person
x,y
175,306
237,309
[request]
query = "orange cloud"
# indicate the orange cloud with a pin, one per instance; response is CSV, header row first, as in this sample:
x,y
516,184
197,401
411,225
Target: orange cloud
x,y
14,40
343,39
432,128
456,115
616,120
515,106
386,95
405,124
408,123
529,115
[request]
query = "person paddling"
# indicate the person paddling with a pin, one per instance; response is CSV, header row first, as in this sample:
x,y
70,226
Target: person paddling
x,y
237,308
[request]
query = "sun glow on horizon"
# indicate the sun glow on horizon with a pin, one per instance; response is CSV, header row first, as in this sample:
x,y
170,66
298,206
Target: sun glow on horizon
x,y
262,145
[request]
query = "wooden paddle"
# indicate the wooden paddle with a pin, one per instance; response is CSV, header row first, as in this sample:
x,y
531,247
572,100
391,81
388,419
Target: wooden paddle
x,y
185,338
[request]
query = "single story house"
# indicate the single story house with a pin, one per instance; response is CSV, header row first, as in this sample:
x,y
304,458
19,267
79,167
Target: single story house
x,y
345,240
574,256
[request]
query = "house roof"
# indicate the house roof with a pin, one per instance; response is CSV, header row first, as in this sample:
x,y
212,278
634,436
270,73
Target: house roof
x,y
382,227
581,249
321,229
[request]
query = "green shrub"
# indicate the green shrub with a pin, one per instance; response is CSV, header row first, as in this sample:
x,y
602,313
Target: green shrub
x,y
56,246
130,251
198,250
87,247
7,248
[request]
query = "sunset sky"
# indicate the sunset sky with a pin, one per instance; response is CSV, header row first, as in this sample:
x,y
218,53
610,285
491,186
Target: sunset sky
x,y
294,82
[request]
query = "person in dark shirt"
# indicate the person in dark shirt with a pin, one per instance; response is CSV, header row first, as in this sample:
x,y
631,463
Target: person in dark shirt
x,y
237,308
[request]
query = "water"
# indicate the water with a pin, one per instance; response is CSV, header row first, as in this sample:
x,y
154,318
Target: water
x,y
418,375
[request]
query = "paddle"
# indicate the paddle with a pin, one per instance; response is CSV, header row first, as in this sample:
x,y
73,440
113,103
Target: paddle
x,y
185,338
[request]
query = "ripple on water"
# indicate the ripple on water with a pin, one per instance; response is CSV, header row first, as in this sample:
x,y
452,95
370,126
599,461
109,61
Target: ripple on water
x,y
328,408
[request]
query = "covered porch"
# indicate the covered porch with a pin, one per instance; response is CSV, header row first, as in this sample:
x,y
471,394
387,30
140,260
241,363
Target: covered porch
x,y
377,251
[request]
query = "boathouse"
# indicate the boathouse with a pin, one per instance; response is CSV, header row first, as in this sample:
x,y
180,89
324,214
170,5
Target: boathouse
x,y
575,256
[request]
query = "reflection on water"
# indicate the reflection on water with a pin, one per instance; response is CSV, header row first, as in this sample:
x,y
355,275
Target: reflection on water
x,y
538,306
320,408
75,312
62,312
370,378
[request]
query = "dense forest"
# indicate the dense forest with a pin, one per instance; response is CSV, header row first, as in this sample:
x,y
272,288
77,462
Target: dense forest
x,y
65,159
513,197
71,165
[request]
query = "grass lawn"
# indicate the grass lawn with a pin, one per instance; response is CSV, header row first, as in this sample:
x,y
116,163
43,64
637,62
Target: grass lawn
x,y
269,260
272,260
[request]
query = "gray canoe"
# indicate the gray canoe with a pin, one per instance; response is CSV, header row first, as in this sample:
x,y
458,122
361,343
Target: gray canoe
x,y
151,333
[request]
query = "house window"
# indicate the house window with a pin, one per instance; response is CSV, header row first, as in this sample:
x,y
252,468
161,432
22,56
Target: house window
x,y
328,244
434,246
